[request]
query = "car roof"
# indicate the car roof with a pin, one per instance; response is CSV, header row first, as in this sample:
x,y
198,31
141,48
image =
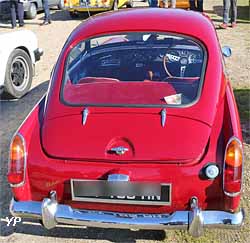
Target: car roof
x,y
188,23
146,19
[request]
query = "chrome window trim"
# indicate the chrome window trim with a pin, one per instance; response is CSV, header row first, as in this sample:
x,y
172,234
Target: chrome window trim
x,y
199,91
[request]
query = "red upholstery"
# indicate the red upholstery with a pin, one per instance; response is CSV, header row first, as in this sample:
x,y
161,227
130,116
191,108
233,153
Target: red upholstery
x,y
118,92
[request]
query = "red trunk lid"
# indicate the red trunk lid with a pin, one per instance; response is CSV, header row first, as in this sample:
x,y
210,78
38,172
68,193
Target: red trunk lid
x,y
141,135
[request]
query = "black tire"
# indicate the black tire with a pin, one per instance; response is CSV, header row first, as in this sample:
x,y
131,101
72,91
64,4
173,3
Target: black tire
x,y
85,15
115,5
32,12
74,15
18,74
61,5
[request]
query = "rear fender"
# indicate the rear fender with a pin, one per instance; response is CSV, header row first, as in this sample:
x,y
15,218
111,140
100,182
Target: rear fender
x,y
30,125
231,127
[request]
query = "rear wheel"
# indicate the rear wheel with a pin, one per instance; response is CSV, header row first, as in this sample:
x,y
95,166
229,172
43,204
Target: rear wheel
x,y
18,75
130,4
85,15
74,15
32,11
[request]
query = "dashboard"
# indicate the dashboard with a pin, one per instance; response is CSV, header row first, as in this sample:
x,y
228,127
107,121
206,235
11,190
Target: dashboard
x,y
146,56
133,63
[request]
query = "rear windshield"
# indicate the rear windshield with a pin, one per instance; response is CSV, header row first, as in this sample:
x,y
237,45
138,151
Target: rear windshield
x,y
134,69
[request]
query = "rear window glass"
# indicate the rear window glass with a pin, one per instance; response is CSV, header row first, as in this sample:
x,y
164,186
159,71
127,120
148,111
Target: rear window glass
x,y
134,69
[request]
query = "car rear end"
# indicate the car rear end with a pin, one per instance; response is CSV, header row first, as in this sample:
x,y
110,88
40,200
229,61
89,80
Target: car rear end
x,y
131,139
125,194
78,6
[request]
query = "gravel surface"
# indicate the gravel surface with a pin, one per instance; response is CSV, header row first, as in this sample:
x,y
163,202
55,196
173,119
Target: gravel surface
x,y
51,39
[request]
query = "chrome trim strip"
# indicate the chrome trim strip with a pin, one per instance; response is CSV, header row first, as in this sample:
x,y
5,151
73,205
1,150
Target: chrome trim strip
x,y
114,201
224,164
163,117
85,116
67,215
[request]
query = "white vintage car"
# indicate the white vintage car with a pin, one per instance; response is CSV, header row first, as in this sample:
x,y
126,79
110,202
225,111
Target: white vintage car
x,y
18,54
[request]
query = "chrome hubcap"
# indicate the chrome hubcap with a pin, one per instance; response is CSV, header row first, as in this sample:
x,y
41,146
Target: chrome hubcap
x,y
19,73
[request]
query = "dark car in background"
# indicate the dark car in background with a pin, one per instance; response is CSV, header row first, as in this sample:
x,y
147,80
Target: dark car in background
x,y
31,7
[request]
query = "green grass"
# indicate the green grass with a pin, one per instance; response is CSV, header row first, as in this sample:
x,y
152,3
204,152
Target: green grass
x,y
243,10
242,97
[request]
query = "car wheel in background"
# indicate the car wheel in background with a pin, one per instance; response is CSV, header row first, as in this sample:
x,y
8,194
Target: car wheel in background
x,y
115,5
32,11
18,75
130,4
74,15
60,4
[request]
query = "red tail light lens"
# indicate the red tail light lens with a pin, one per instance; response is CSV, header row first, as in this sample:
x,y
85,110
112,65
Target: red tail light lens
x,y
17,161
233,166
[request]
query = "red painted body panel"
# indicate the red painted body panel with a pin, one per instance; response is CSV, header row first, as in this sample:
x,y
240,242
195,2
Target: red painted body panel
x,y
205,128
46,174
128,130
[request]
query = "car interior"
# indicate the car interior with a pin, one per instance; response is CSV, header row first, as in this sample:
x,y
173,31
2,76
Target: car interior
x,y
147,58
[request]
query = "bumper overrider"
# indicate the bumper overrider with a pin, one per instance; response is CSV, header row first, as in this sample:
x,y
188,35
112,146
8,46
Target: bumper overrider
x,y
38,53
194,220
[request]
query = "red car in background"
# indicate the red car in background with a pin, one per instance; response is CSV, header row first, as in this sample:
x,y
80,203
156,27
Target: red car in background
x,y
139,129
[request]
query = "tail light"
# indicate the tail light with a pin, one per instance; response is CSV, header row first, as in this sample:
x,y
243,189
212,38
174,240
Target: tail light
x,y
17,161
233,167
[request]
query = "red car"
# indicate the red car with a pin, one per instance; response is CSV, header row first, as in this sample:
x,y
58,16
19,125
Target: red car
x,y
139,129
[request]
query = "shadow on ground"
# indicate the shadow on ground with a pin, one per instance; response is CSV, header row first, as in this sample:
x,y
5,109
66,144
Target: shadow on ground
x,y
64,15
13,112
112,235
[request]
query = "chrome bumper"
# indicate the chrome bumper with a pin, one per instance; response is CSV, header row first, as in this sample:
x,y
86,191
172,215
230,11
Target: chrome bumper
x,y
51,213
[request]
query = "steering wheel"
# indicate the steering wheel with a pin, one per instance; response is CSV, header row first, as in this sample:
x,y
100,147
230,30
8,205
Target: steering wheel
x,y
183,60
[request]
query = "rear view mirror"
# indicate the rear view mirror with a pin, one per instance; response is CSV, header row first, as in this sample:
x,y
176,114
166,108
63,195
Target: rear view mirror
x,y
226,51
